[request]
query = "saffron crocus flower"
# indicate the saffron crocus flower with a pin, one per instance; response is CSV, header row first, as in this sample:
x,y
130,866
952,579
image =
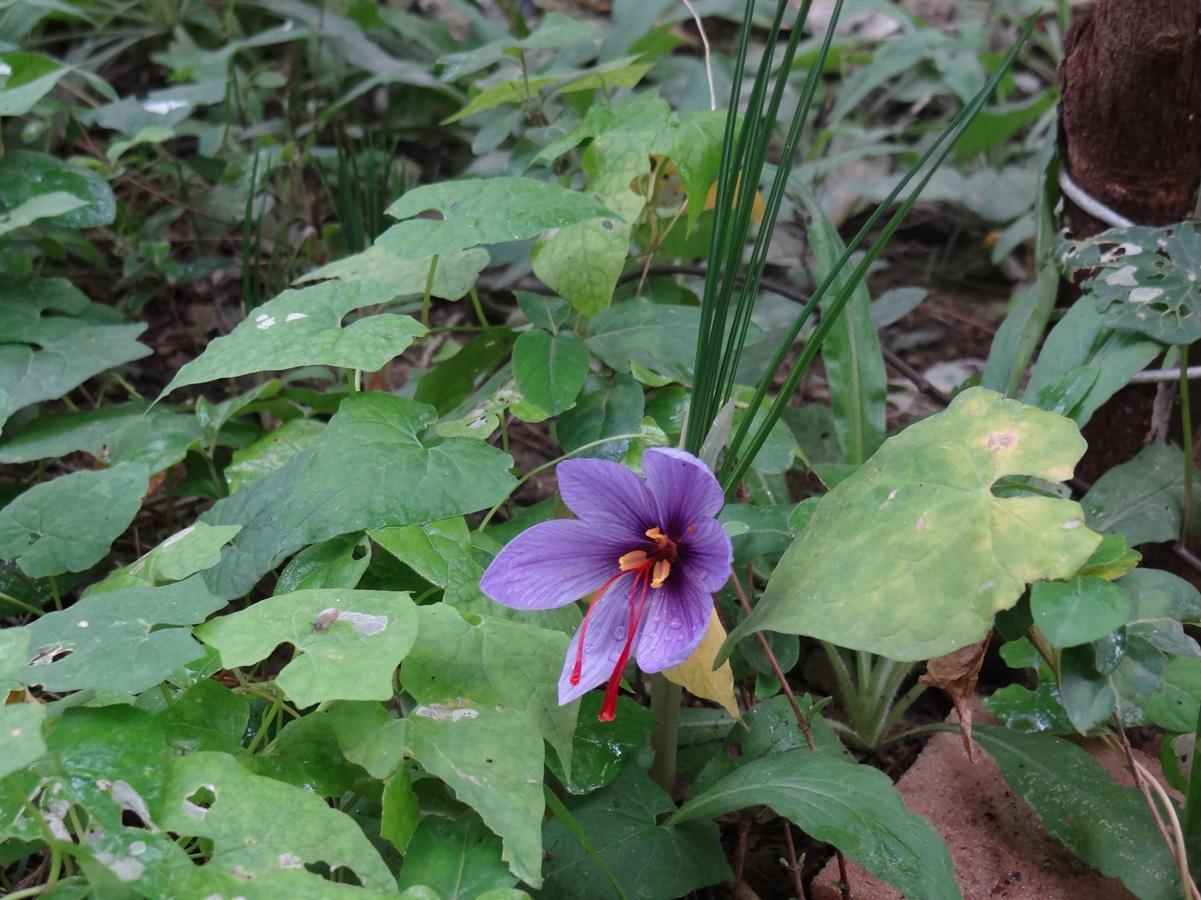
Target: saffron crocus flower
x,y
649,552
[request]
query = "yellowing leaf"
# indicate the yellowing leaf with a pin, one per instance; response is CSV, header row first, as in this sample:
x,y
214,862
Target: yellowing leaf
x,y
697,675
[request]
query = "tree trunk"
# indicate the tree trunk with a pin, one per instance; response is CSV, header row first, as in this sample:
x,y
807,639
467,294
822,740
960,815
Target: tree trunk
x,y
1130,115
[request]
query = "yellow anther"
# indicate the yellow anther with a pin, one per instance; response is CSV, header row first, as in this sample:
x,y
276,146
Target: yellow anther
x,y
656,535
660,572
635,559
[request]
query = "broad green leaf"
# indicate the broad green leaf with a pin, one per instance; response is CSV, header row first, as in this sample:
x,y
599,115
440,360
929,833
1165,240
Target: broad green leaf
x,y
43,206
347,643
490,755
55,339
644,112
583,260
600,749
24,79
617,73
191,550
459,858
115,641
21,727
550,369
1077,611
25,174
493,662
851,352
337,563
605,408
1114,674
304,328
1033,711
207,716
450,382
1106,825
265,830
937,555
649,860
854,807
386,262
272,451
483,211
553,30
68,524
129,432
519,91
369,470
1142,499
164,108
111,761
660,337
368,735
1081,339
1146,278
306,753
1159,603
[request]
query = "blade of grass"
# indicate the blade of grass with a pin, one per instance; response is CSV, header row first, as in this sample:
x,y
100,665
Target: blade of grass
x,y
743,445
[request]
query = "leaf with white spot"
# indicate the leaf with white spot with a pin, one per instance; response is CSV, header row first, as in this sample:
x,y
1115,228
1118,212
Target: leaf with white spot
x,y
348,643
304,328
936,554
116,641
1147,280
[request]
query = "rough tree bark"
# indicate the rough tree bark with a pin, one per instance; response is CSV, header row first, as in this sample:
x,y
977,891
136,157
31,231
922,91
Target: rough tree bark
x,y
1130,115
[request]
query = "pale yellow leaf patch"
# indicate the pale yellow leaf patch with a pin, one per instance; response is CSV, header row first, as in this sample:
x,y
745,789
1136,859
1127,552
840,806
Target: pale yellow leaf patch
x,y
697,676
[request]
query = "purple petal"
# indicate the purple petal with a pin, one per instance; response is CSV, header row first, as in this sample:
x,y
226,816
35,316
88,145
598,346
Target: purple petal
x,y
684,489
708,554
607,493
604,639
673,625
552,564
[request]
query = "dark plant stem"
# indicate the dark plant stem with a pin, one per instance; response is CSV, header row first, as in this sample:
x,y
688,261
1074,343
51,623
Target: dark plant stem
x,y
793,865
1186,437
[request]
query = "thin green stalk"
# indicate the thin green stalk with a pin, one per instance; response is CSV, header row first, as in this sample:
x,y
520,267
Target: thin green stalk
x,y
1191,825
745,446
429,289
665,703
1186,425
551,464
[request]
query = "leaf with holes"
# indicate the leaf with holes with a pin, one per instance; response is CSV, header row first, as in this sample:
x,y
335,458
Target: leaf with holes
x,y
491,756
116,640
1149,279
304,328
936,554
348,643
262,830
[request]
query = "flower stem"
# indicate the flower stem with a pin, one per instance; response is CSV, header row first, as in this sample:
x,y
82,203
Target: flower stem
x,y
665,703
